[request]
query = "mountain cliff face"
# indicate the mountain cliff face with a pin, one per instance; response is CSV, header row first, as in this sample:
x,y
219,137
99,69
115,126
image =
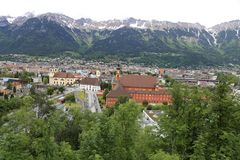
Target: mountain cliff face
x,y
227,37
158,42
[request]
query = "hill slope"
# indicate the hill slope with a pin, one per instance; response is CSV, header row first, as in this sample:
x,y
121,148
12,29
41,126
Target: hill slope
x,y
153,42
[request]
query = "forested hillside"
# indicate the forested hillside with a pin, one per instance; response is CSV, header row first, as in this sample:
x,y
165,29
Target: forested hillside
x,y
200,124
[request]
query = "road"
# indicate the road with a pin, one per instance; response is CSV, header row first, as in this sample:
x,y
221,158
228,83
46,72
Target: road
x,y
67,91
93,103
80,101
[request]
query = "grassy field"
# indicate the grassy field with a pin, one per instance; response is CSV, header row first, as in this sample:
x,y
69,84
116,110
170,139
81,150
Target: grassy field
x,y
72,105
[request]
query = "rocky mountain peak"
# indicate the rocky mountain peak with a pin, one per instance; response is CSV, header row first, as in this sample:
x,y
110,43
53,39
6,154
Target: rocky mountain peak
x,y
231,25
3,21
61,19
87,23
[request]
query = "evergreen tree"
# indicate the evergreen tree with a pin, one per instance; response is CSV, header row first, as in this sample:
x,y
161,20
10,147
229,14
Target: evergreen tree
x,y
5,96
14,89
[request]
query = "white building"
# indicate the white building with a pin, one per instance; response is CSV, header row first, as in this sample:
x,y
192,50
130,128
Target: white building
x,y
37,79
90,84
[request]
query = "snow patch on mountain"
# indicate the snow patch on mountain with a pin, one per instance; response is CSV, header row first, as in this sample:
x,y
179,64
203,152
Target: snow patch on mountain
x,y
11,19
114,24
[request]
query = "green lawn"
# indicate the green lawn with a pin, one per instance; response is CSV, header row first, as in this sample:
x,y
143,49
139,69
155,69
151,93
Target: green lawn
x,y
72,105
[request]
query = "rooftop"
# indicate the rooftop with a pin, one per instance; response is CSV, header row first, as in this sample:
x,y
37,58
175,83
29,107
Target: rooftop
x,y
119,91
63,75
138,81
90,81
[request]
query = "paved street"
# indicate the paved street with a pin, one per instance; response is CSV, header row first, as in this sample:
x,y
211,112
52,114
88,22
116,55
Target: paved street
x,y
80,101
93,103
67,91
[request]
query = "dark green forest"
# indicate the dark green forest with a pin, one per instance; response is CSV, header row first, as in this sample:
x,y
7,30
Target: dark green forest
x,y
200,124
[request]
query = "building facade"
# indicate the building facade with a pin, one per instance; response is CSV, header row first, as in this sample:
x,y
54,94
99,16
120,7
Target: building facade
x,y
62,79
90,84
138,88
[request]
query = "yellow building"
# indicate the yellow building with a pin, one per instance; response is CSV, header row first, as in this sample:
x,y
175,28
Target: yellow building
x,y
62,79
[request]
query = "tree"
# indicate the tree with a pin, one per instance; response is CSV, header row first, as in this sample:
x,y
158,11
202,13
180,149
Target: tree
x,y
199,124
70,98
126,129
50,91
26,76
160,155
45,80
89,140
106,91
122,100
16,75
26,136
145,103
5,96
61,89
18,148
169,81
14,89
183,121
9,86
42,105
66,152
112,137
105,85
12,96
220,139
146,143
33,90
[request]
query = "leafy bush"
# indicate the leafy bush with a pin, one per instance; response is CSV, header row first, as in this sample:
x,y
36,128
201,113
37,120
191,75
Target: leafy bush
x,y
70,98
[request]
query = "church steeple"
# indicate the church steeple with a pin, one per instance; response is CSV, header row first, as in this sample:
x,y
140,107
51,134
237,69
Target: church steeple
x,y
117,77
118,73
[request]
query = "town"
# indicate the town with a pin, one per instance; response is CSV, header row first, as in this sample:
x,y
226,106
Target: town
x,y
74,83
120,80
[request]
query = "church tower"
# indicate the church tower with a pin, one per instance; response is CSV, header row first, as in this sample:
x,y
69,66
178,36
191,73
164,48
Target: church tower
x,y
117,77
118,73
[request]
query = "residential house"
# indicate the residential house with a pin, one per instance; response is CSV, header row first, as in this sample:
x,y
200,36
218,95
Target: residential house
x,y
90,84
4,90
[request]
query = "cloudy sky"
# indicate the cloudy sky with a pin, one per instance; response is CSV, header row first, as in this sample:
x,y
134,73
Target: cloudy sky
x,y
206,12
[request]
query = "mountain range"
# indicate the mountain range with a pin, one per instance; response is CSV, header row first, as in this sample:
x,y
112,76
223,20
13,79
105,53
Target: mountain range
x,y
152,42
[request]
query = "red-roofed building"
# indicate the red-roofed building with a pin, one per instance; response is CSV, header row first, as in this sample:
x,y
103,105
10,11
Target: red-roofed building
x,y
139,88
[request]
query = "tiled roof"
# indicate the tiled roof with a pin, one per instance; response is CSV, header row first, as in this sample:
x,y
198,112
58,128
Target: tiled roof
x,y
119,91
63,75
138,81
90,81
